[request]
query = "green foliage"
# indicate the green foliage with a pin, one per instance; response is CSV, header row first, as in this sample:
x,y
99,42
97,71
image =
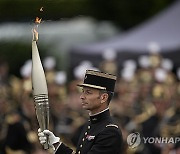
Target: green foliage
x,y
16,53
125,13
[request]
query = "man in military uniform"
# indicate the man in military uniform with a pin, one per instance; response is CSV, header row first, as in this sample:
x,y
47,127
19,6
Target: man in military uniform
x,y
100,135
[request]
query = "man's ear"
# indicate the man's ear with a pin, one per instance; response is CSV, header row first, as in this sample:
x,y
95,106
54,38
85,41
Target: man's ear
x,y
104,97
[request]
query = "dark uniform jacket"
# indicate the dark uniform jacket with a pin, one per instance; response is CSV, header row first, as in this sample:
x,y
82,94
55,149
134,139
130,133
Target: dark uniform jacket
x,y
99,136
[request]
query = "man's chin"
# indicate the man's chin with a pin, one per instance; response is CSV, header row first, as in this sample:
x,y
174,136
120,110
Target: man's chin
x,y
85,107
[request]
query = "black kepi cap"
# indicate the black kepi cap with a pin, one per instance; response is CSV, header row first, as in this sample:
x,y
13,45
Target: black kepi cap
x,y
99,80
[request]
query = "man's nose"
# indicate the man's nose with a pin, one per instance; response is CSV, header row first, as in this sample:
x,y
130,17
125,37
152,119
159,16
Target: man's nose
x,y
82,96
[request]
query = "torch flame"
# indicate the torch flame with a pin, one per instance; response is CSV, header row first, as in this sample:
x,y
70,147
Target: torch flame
x,y
38,20
34,30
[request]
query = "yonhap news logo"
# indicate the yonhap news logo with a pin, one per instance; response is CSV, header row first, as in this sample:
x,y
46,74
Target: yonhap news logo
x,y
134,140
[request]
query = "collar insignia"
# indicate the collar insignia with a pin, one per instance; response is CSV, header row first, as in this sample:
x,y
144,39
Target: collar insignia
x,y
90,137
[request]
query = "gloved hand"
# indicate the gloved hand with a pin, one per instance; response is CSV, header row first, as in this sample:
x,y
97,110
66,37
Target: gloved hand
x,y
52,139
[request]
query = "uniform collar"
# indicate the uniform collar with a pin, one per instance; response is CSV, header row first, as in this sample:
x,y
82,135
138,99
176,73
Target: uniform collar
x,y
100,116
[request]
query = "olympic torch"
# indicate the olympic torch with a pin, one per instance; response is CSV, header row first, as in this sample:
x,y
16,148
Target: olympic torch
x,y
39,86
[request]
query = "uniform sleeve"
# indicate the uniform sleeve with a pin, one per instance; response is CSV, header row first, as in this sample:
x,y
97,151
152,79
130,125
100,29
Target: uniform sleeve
x,y
63,149
109,141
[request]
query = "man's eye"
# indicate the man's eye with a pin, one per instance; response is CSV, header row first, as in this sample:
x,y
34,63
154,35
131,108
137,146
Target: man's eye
x,y
88,92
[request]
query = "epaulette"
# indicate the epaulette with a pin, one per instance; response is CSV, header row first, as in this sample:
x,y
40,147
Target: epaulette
x,y
112,125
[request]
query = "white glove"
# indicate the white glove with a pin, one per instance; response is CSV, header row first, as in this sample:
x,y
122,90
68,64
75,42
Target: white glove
x,y
52,139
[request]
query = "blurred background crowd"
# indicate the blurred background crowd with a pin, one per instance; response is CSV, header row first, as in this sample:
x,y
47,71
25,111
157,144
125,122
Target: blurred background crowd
x,y
76,35
146,100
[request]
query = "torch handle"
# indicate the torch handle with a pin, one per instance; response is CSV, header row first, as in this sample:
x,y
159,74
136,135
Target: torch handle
x,y
42,113
46,145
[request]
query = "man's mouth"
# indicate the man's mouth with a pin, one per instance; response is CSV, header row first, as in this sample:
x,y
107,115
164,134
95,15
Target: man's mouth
x,y
84,103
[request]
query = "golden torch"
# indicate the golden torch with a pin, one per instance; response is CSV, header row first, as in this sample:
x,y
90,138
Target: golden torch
x,y
39,85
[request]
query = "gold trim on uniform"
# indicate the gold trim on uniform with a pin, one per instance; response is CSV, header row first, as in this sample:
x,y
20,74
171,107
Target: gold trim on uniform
x,y
93,86
112,125
101,74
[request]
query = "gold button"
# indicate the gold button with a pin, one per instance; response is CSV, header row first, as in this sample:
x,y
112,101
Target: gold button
x,y
81,145
79,152
89,127
83,139
85,133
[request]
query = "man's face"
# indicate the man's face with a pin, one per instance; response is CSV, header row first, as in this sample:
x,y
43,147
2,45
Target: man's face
x,y
91,99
